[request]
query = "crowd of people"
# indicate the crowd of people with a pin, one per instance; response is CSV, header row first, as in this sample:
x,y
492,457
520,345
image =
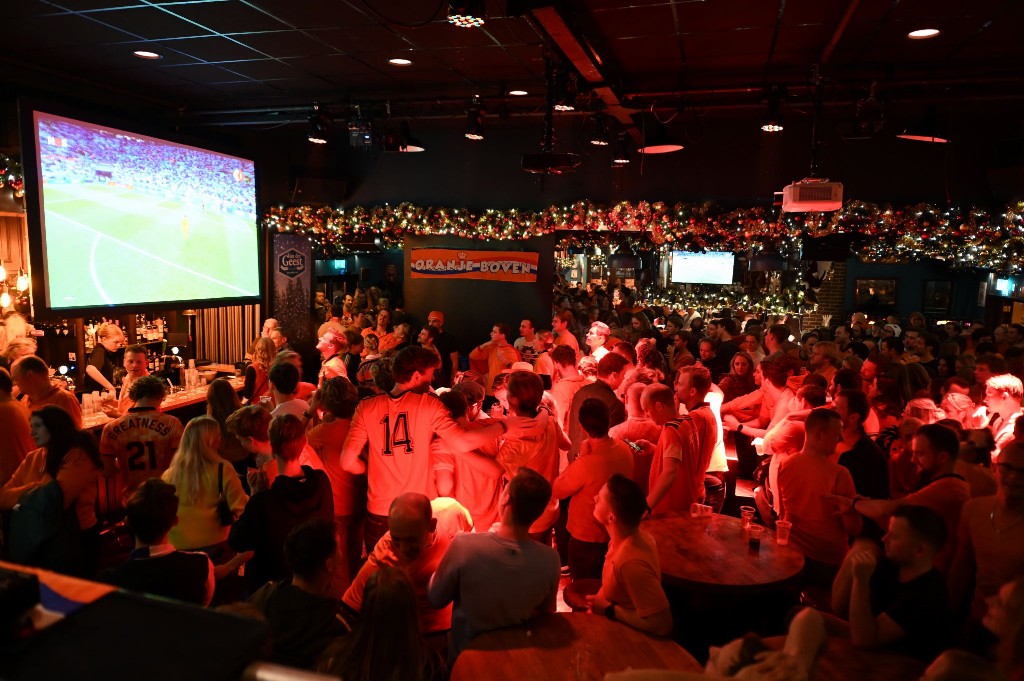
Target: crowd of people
x,y
77,153
413,497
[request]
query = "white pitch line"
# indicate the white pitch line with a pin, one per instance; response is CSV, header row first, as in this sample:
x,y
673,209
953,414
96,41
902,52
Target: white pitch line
x,y
155,257
95,275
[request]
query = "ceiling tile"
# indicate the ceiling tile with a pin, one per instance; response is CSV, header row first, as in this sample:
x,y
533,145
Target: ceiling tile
x,y
212,49
262,69
723,16
333,65
629,23
355,39
201,73
441,34
227,17
148,22
314,14
284,44
653,55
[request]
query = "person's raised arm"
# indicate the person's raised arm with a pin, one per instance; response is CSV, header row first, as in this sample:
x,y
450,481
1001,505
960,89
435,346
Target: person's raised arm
x,y
867,630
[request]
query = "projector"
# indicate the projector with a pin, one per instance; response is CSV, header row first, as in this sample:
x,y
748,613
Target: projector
x,y
551,163
812,194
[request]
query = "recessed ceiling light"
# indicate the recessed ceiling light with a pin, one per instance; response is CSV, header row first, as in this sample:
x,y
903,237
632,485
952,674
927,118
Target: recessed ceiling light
x,y
143,54
518,93
399,61
923,33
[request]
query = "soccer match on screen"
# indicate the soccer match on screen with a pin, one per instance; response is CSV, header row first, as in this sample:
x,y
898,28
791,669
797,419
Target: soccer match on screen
x,y
134,219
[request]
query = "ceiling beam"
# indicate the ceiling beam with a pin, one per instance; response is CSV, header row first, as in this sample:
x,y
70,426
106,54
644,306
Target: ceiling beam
x,y
589,65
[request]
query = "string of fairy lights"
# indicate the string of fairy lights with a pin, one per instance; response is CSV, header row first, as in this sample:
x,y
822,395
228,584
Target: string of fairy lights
x,y
962,237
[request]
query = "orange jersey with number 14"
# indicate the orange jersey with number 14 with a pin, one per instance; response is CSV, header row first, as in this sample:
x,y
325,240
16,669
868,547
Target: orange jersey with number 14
x,y
397,432
143,441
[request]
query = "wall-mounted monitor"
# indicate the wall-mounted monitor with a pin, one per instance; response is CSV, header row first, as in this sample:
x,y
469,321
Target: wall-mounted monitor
x,y
124,219
1003,287
711,267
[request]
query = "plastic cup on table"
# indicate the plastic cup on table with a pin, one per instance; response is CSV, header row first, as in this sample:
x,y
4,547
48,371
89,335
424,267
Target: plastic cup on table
x,y
695,510
754,533
747,515
782,529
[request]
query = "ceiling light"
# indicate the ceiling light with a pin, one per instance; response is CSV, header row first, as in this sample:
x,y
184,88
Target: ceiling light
x,y
656,136
927,129
5,299
317,133
401,140
144,54
466,13
599,131
475,119
772,121
398,61
620,158
518,93
923,33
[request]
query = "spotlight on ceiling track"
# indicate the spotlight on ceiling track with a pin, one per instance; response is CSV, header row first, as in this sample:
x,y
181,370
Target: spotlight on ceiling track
x,y
401,140
927,129
467,13
475,119
772,121
620,157
599,131
656,135
317,133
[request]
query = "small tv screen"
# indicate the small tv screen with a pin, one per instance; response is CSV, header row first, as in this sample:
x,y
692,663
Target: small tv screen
x,y
1003,286
712,267
127,219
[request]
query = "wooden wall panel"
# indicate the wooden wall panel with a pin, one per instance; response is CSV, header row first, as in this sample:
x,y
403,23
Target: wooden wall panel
x,y
13,244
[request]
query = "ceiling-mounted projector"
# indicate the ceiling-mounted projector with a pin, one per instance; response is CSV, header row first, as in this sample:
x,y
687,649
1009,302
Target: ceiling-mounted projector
x,y
812,194
551,163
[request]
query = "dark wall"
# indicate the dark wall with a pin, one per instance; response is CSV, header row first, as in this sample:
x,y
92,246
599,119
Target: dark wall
x,y
727,159
471,306
911,279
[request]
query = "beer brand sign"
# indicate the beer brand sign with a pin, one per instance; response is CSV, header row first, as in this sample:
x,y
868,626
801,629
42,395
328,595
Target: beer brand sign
x,y
445,263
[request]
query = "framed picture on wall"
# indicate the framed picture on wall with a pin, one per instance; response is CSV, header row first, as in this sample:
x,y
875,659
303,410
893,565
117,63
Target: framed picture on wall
x,y
938,296
875,291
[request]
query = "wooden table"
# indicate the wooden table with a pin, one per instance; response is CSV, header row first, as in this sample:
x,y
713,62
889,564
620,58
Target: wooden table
x,y
840,661
175,400
566,647
713,553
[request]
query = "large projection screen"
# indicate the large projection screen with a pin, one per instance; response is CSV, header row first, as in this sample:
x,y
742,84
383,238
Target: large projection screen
x,y
127,219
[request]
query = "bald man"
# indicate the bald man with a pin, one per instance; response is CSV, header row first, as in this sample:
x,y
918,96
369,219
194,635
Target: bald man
x,y
418,535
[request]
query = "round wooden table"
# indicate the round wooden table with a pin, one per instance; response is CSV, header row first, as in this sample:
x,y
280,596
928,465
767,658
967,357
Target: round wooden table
x,y
840,661
714,553
568,647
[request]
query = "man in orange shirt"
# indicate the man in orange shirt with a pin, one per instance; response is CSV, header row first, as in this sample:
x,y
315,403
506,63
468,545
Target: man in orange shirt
x,y
563,335
685,447
600,458
497,352
32,377
17,439
396,429
143,441
934,453
414,543
631,590
567,382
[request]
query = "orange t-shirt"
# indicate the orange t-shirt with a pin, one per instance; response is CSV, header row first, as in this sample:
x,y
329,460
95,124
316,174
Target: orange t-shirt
x,y
143,442
59,398
599,460
475,488
541,455
804,480
16,441
635,429
632,575
326,439
690,440
397,432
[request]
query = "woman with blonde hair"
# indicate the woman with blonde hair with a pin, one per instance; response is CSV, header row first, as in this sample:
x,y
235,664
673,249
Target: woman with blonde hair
x,y
257,380
203,480
99,372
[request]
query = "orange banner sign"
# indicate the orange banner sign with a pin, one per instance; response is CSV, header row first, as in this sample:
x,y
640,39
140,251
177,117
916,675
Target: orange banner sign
x,y
445,263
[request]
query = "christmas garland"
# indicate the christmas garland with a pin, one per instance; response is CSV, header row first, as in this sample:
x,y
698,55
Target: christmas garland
x,y
11,175
963,237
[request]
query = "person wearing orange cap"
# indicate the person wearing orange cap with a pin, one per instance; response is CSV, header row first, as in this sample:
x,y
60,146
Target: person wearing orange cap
x,y
447,347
